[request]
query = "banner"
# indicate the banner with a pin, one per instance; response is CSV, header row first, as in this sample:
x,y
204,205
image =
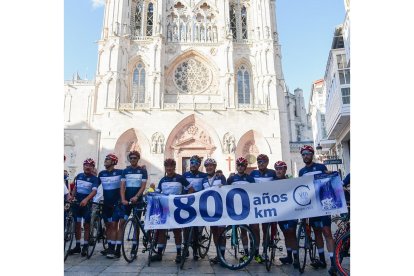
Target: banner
x,y
303,197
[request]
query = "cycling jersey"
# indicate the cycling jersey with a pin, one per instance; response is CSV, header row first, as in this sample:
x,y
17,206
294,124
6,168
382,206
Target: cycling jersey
x,y
134,178
268,175
315,168
111,183
240,179
173,185
85,184
287,224
214,181
195,180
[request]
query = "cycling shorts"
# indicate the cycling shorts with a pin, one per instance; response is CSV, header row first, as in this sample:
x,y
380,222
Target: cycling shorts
x,y
320,222
112,212
128,208
82,212
288,224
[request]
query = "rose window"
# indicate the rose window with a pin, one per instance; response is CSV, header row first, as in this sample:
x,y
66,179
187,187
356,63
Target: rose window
x,y
192,76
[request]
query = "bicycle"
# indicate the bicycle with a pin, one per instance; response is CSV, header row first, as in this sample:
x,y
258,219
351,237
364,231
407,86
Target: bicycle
x,y
130,241
343,225
306,244
234,234
69,228
270,245
97,231
198,240
342,254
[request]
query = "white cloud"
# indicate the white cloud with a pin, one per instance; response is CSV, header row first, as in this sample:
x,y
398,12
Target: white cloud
x,y
98,3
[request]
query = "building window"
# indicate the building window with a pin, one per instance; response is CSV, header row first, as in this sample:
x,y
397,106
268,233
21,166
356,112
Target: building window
x,y
136,20
138,84
343,70
150,19
233,21
244,22
238,20
298,134
346,95
243,85
192,76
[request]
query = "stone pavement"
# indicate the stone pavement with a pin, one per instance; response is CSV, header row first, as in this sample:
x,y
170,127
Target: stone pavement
x,y
100,265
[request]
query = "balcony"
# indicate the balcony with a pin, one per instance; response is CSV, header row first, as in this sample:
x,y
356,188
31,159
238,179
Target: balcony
x,y
337,113
132,106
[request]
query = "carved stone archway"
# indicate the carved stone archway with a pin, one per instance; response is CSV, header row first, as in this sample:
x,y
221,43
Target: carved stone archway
x,y
190,137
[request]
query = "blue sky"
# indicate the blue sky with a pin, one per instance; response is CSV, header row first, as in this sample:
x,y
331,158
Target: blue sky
x,y
305,30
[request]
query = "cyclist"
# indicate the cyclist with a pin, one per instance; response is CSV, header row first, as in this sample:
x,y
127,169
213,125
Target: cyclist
x,y
85,189
263,174
110,178
321,225
195,178
241,177
212,180
289,226
171,184
133,182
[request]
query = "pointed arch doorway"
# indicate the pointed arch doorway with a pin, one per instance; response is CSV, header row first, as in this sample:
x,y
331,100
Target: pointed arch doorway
x,y
189,138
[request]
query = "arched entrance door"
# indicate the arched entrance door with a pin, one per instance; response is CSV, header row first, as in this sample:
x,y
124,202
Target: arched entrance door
x,y
192,139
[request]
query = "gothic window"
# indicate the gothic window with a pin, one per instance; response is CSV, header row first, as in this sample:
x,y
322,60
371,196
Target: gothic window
x,y
233,22
192,76
243,85
244,22
150,19
138,18
138,84
238,20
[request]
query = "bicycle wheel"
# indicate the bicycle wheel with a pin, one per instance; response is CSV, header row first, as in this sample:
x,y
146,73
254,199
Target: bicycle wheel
x,y
69,235
103,234
303,246
187,243
204,241
342,254
152,243
130,240
93,235
234,244
312,247
268,248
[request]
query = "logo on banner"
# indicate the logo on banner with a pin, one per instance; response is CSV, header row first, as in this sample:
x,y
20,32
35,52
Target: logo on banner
x,y
301,195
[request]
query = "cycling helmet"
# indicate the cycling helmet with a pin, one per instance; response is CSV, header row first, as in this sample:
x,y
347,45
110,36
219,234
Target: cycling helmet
x,y
89,161
134,152
308,148
280,164
241,161
113,158
262,157
210,161
169,162
195,158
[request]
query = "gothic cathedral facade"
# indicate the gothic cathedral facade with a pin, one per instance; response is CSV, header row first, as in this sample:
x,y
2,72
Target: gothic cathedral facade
x,y
178,78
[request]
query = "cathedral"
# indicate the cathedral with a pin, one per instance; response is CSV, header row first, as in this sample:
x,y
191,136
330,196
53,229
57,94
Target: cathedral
x,y
179,78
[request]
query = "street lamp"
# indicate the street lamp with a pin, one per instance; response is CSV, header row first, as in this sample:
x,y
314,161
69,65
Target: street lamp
x,y
319,149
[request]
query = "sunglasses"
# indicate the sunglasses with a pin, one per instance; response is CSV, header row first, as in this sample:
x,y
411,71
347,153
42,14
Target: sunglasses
x,y
194,163
261,162
133,158
241,165
306,153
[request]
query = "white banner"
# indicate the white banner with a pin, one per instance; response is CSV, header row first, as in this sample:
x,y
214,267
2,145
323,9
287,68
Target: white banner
x,y
303,197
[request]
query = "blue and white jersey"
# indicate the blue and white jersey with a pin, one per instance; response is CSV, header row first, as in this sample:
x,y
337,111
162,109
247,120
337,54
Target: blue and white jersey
x,y
240,179
268,175
84,185
214,181
173,185
195,180
111,185
315,168
134,178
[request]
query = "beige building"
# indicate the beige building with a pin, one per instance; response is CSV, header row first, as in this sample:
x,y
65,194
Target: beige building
x,y
178,78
